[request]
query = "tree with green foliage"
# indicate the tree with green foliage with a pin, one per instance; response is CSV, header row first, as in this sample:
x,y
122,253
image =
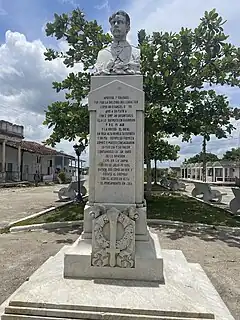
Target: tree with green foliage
x,y
198,158
232,155
179,71
70,118
161,150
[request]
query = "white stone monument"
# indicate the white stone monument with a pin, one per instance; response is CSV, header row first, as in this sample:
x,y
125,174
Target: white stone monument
x,y
115,269
116,242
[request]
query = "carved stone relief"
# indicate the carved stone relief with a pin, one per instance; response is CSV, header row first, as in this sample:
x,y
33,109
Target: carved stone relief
x,y
113,238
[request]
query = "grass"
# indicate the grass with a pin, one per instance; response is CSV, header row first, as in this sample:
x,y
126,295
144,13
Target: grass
x,y
185,209
156,187
70,212
165,206
4,230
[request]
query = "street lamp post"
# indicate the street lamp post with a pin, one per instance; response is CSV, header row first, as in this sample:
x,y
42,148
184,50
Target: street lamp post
x,y
78,150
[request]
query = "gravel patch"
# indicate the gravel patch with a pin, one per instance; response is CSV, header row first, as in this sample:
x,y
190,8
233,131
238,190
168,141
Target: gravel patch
x,y
23,253
217,252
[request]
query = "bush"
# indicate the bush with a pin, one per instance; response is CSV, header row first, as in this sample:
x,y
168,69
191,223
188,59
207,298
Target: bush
x,y
62,176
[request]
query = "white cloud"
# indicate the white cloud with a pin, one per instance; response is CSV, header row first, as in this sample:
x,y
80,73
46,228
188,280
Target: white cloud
x,y
103,6
25,77
3,12
216,146
26,84
71,2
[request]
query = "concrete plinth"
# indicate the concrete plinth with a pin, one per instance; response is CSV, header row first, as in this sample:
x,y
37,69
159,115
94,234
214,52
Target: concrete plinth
x,y
148,267
187,294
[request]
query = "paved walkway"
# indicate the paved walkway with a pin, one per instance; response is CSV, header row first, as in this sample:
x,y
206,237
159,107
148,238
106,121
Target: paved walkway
x,y
17,203
225,199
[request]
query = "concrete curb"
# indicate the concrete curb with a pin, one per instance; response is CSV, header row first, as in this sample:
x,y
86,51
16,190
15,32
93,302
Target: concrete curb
x,y
200,226
40,213
151,222
47,226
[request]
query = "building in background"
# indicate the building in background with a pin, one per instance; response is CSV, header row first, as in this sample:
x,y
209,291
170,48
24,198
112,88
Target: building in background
x,y
73,168
21,160
221,171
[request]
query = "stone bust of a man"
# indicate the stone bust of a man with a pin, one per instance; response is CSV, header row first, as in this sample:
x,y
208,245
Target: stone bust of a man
x,y
119,57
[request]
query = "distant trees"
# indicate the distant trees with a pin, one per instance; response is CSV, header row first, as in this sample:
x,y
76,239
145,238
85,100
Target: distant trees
x,y
209,157
161,150
232,155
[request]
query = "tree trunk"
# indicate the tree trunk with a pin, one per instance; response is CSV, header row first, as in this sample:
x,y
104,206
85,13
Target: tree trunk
x,y
204,169
148,163
155,171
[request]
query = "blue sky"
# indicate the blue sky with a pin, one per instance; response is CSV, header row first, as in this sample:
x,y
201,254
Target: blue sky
x,y
25,77
29,16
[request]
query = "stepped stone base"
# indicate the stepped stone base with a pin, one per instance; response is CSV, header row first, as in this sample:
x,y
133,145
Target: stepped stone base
x,y
186,295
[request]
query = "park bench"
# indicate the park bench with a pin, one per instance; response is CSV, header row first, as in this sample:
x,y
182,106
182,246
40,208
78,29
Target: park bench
x,y
173,184
165,182
72,190
235,202
204,190
176,185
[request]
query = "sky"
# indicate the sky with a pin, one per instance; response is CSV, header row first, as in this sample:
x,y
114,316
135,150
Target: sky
x,y
26,78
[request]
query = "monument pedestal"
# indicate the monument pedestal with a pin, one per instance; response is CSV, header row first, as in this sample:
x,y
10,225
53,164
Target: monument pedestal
x,y
145,246
148,262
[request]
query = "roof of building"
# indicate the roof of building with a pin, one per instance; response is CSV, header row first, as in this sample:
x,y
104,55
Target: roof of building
x,y
217,164
38,148
176,168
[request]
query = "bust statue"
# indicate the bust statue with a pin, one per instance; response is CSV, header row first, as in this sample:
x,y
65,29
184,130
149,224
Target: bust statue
x,y
119,57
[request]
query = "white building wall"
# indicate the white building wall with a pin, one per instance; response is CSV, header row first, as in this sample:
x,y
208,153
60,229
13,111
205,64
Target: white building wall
x,y
30,163
236,172
11,157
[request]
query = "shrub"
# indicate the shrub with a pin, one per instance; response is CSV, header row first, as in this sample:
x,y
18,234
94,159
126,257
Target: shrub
x,y
62,176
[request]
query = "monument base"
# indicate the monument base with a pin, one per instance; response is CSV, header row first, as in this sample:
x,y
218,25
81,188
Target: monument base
x,y
187,294
148,262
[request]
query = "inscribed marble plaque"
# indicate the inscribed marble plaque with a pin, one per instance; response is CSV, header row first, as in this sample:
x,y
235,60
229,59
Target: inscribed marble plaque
x,y
116,106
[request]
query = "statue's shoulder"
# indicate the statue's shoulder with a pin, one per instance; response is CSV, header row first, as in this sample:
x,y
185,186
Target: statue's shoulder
x,y
106,49
135,51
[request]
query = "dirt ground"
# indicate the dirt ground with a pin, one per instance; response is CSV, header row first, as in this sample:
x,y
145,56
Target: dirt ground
x,y
218,253
17,203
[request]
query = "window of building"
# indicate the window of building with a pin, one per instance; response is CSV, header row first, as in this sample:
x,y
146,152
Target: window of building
x,y
210,172
9,167
218,172
231,172
226,172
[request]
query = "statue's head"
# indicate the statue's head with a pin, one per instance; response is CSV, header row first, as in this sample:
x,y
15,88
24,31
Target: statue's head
x,y
120,24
